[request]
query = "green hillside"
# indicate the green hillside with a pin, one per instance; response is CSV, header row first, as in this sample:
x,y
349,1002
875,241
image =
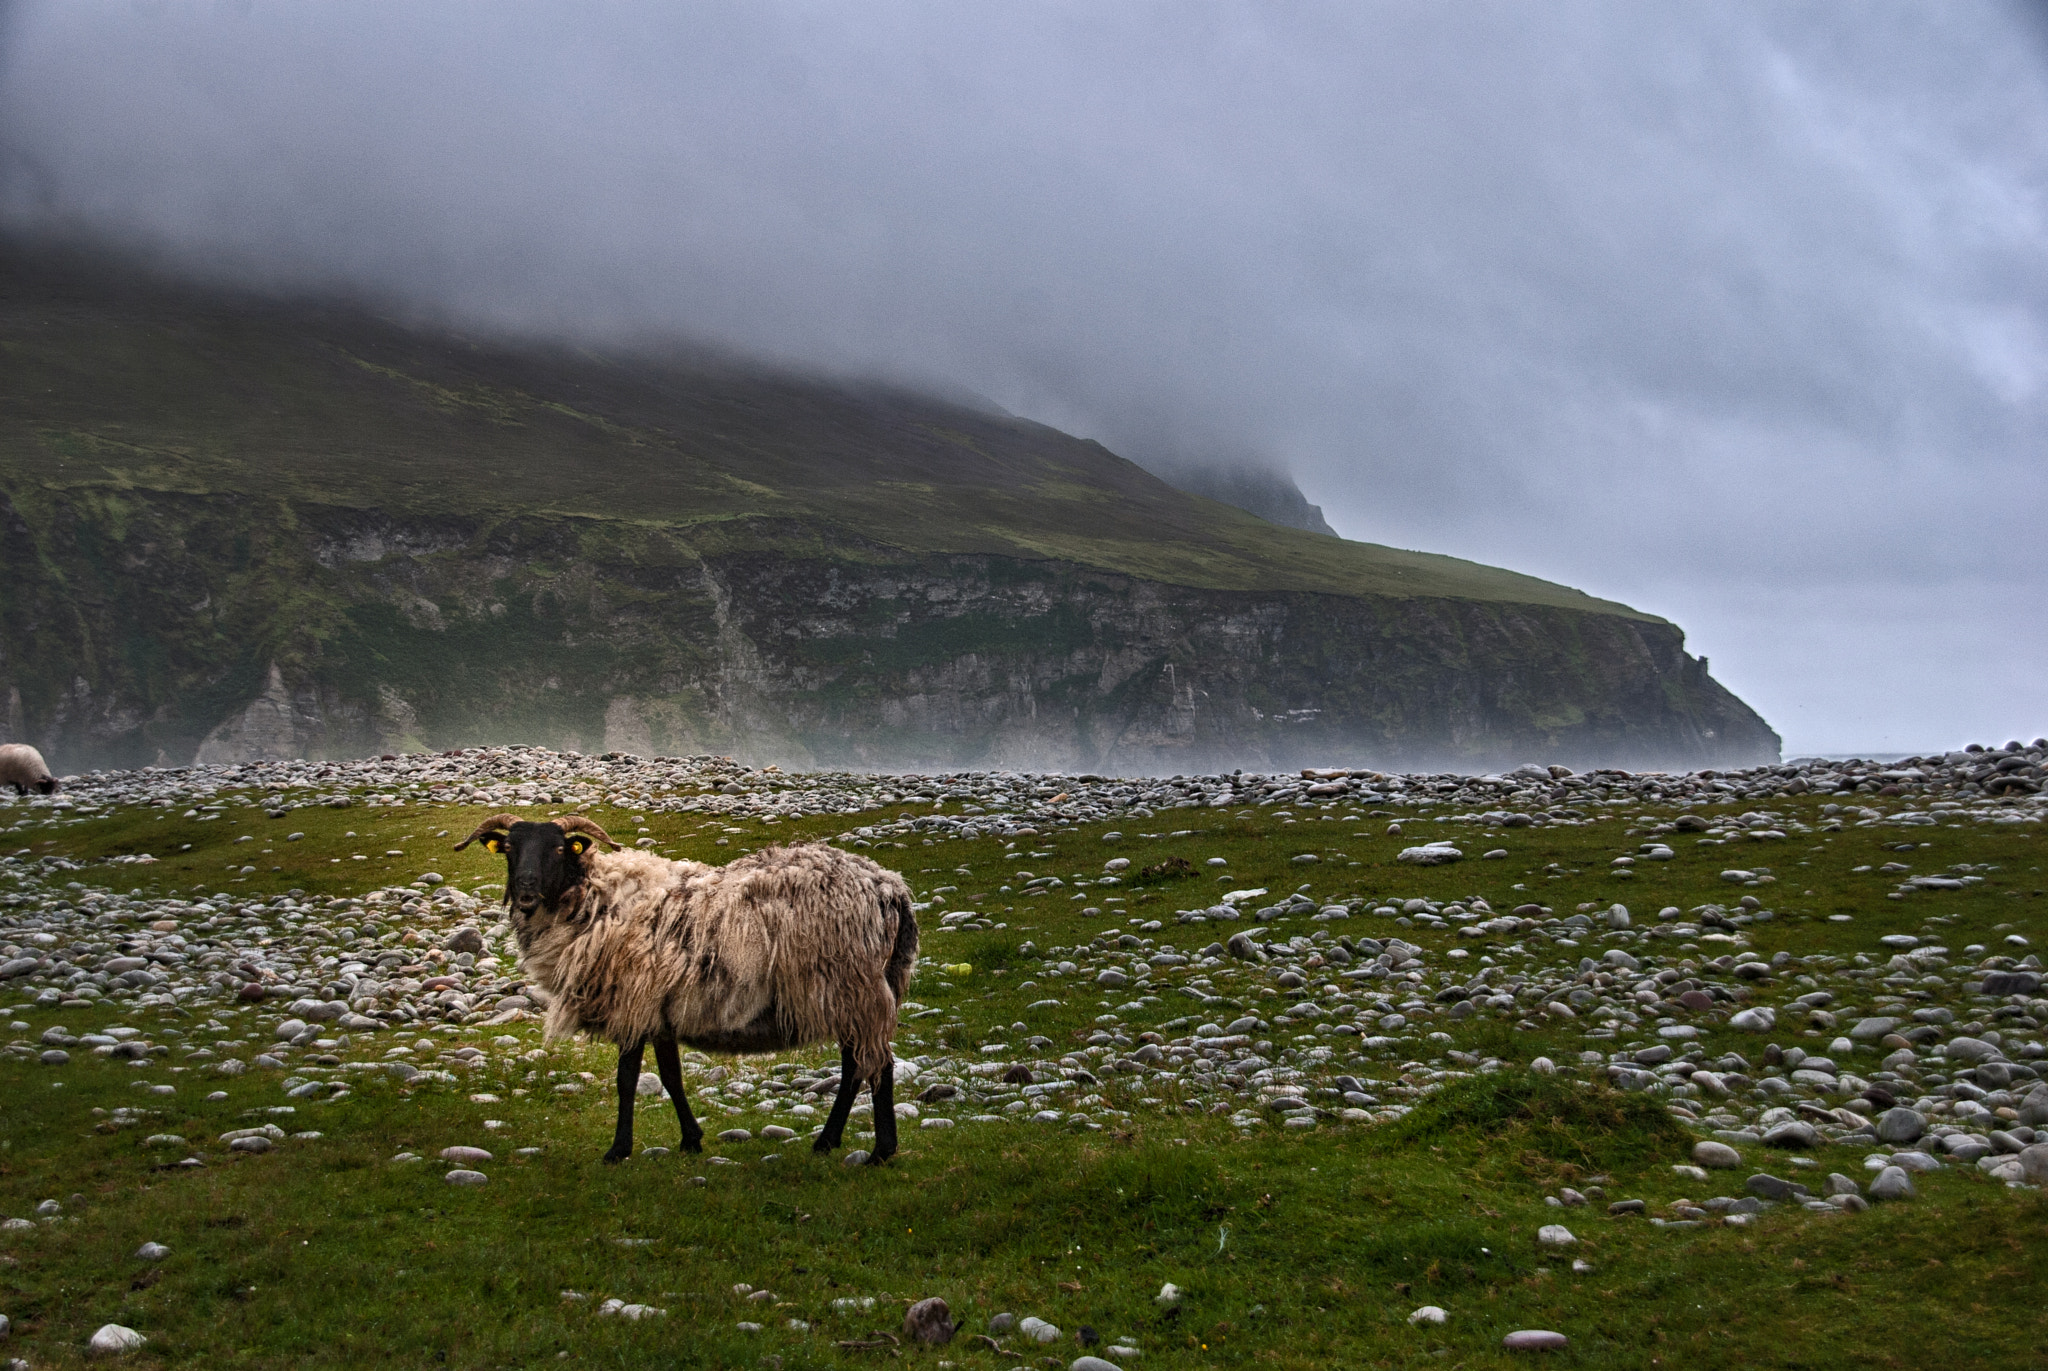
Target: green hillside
x,y
233,527
137,384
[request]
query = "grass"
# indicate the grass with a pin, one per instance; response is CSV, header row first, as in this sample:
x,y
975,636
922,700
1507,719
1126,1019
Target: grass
x,y
1295,1248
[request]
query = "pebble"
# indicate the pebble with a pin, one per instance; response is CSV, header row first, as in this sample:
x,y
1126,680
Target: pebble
x,y
1892,1183
112,1340
1900,1125
1769,1187
461,1176
1428,1313
1092,1363
1555,1235
1716,1154
1791,1134
152,1252
468,1156
1038,1330
1533,1340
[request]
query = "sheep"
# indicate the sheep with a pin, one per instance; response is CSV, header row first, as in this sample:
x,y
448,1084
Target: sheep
x,y
786,947
22,767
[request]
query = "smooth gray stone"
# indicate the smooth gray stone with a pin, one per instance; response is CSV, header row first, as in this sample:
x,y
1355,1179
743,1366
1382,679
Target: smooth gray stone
x,y
1794,1134
1091,1364
1870,1030
1892,1183
1533,1340
1901,1125
1838,1184
113,1340
2011,983
1854,1204
1970,1050
1771,1188
1716,1154
1915,1161
2034,1164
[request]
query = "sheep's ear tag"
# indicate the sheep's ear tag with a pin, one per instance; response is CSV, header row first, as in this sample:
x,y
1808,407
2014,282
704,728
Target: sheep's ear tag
x,y
579,845
495,842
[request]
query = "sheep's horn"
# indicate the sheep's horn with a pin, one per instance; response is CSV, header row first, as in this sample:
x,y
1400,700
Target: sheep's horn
x,y
576,823
494,823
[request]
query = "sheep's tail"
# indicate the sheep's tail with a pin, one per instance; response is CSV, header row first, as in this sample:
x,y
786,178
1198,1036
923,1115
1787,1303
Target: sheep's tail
x,y
903,956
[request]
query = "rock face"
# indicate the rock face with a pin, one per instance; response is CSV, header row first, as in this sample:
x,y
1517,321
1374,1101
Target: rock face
x,y
413,542
438,633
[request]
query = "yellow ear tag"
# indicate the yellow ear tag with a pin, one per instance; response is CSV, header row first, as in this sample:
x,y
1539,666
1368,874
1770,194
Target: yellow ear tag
x,y
579,845
495,843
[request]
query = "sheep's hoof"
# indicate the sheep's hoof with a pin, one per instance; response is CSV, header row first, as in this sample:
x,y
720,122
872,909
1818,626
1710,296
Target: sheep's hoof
x,y
825,1145
695,1144
877,1158
614,1157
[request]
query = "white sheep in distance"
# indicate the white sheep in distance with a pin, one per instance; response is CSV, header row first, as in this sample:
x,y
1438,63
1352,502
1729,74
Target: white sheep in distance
x,y
22,767
780,949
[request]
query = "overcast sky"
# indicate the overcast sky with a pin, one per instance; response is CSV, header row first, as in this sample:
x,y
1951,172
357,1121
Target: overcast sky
x,y
1737,313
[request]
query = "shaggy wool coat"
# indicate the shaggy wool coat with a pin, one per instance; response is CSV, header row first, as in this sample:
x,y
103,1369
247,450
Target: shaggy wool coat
x,y
778,949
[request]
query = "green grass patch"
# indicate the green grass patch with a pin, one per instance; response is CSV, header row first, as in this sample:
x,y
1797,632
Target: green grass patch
x,y
1300,1248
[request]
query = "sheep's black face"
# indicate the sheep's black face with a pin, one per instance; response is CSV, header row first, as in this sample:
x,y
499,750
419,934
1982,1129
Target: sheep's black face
x,y
48,785
541,863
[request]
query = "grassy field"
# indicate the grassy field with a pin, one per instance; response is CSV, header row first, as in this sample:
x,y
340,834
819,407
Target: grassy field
x,y
1294,1248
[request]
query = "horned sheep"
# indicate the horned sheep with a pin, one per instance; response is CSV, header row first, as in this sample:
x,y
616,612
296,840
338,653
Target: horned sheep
x,y
779,949
22,767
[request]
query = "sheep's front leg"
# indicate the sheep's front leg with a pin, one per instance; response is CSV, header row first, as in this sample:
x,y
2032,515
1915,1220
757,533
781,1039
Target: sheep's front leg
x,y
849,1086
885,1113
669,1063
629,1088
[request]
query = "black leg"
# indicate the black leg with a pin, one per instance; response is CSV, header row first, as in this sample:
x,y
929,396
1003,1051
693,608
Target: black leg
x,y
629,1088
849,1086
885,1114
670,1064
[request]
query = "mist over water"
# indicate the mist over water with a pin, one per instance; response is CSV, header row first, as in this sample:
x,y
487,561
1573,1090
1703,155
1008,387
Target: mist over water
x,y
1736,313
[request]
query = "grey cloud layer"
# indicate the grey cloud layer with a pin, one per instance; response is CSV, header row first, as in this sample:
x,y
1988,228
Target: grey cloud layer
x,y
1735,312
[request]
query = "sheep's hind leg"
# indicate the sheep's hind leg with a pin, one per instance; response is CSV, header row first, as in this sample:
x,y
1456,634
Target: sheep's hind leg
x,y
629,1089
849,1086
885,1114
669,1063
